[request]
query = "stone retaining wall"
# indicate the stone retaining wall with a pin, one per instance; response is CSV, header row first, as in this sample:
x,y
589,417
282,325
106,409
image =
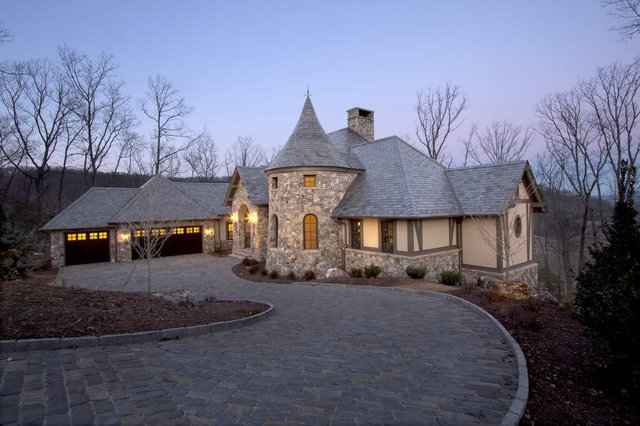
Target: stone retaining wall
x,y
526,274
393,265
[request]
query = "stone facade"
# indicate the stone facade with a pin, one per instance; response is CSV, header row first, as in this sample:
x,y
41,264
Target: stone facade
x,y
57,249
393,265
526,274
258,222
290,203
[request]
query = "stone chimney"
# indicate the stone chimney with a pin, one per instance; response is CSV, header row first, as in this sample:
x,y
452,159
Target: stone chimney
x,y
361,121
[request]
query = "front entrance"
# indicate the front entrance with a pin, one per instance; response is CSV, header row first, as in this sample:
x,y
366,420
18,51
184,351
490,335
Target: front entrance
x,y
247,231
387,236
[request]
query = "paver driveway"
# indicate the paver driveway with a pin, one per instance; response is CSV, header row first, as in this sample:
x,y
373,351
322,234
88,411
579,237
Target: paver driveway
x,y
328,354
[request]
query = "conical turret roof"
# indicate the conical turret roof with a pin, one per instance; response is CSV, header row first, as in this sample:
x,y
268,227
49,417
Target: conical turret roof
x,y
308,145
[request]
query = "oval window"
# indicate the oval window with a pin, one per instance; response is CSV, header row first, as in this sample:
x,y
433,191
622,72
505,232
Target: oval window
x,y
517,226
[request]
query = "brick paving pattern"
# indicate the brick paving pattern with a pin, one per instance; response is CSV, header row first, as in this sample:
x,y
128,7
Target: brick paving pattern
x,y
329,354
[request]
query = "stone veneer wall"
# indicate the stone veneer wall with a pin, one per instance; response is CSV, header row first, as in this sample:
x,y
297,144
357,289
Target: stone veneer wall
x,y
526,274
291,202
57,249
393,265
258,229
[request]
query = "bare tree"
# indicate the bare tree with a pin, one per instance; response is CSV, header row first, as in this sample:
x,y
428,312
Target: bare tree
x,y
100,106
36,103
204,159
128,145
244,152
72,131
614,96
498,143
628,14
275,151
574,144
439,113
5,36
170,135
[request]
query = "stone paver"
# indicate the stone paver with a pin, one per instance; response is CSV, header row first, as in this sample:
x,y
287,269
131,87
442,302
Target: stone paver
x,y
329,354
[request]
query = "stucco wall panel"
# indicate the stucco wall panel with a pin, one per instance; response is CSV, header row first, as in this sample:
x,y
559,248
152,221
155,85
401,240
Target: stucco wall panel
x,y
478,242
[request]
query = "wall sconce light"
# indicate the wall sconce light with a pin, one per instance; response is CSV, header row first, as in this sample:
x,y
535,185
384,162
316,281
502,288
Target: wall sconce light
x,y
208,232
253,217
124,237
234,217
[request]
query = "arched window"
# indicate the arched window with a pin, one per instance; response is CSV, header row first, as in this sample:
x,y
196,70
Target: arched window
x,y
274,231
310,232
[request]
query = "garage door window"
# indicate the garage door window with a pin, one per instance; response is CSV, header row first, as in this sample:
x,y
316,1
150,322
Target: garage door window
x,y
193,229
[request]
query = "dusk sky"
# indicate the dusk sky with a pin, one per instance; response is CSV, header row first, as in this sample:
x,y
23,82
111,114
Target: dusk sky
x,y
245,65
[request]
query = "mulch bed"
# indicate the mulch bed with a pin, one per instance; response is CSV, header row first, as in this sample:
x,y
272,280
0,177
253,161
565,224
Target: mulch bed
x,y
565,386
33,309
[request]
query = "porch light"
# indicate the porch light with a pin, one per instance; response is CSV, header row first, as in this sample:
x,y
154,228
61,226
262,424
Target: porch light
x,y
253,217
234,217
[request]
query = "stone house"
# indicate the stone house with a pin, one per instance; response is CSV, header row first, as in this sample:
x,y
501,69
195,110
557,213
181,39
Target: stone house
x,y
347,200
103,223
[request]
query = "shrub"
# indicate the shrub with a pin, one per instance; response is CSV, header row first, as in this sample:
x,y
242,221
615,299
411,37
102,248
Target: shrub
x,y
247,261
252,269
372,271
291,275
274,274
264,272
309,275
450,278
416,273
355,272
608,290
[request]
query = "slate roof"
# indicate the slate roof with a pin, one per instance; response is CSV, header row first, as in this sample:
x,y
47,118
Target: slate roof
x,y
93,209
308,145
486,189
344,140
256,183
398,182
210,195
99,207
158,200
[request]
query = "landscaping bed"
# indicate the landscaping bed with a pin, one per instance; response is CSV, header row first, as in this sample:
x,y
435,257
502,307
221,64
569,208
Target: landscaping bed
x,y
32,308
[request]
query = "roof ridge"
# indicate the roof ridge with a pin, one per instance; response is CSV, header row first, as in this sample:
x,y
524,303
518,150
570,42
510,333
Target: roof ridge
x,y
481,166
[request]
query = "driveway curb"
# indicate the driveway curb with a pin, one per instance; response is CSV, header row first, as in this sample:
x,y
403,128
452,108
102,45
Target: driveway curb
x,y
25,345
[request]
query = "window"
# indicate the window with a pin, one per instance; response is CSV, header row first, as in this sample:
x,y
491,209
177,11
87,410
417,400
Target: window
x,y
103,235
517,226
71,237
274,183
356,233
310,232
309,180
387,236
229,231
82,236
93,235
192,229
178,231
274,231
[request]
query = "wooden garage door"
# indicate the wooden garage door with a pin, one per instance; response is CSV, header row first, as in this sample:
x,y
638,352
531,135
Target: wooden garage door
x,y
183,240
86,247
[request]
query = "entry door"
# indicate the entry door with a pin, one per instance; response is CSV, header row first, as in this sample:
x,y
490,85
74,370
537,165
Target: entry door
x,y
247,232
387,236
